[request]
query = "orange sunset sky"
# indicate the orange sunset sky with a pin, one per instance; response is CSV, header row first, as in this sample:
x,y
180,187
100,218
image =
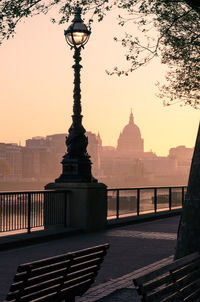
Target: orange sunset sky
x,y
37,89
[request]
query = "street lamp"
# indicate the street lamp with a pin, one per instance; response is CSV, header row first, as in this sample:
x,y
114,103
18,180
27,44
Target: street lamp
x,y
76,164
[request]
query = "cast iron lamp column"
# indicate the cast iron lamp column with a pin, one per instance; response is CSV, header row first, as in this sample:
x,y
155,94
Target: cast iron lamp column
x,y
76,164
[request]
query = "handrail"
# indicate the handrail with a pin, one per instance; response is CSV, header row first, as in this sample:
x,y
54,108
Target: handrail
x,y
121,205
32,191
146,188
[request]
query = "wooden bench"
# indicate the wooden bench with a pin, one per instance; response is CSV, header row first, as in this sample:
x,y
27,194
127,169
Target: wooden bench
x,y
57,278
177,281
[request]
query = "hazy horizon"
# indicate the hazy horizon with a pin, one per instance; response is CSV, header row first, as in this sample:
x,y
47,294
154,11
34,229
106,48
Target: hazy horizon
x,y
114,145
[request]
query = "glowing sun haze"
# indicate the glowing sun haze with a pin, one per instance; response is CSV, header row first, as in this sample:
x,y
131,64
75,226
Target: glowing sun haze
x,y
37,89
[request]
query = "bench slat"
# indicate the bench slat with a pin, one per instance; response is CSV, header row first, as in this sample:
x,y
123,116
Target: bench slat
x,y
79,280
58,267
151,285
186,269
71,290
173,297
75,274
89,250
194,297
187,289
161,293
80,258
165,268
186,280
49,298
44,262
83,265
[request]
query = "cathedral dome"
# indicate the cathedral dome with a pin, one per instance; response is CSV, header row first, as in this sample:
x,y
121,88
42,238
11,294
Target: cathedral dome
x,y
131,129
130,142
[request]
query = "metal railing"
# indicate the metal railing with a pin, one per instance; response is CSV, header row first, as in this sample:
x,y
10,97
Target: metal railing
x,y
124,202
36,209
29,209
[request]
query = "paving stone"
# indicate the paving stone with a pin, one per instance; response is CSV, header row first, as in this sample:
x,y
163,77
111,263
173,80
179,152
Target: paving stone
x,y
147,235
121,295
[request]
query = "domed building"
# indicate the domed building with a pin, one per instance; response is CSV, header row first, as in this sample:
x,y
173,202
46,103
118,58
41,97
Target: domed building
x,y
130,142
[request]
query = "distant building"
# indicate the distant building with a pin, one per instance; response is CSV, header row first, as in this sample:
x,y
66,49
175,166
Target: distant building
x,y
182,154
107,158
130,143
94,150
36,142
10,161
42,156
160,166
183,157
57,146
36,159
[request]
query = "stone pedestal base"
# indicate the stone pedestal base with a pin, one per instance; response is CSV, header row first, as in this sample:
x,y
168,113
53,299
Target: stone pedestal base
x,y
86,205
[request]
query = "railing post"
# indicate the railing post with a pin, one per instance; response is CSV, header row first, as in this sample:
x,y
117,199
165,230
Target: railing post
x,y
183,196
155,200
117,205
170,198
66,222
138,202
29,212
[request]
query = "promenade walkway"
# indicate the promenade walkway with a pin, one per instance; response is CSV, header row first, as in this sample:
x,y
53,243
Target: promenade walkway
x,y
133,248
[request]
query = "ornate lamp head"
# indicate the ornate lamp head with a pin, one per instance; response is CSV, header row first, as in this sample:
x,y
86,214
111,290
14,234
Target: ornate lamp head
x,y
77,33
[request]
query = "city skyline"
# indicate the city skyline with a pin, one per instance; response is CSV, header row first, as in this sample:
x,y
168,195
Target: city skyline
x,y
44,137
39,161
37,87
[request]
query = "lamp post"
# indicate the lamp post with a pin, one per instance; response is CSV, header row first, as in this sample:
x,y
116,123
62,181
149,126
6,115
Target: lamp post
x,y
76,164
